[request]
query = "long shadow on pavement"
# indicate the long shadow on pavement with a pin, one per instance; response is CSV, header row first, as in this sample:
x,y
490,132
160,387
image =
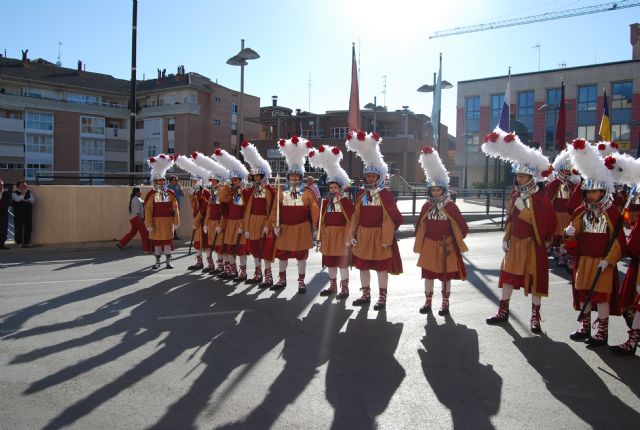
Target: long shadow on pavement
x,y
570,380
450,361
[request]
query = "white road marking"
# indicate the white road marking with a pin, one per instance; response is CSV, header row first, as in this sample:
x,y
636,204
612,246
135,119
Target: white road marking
x,y
203,314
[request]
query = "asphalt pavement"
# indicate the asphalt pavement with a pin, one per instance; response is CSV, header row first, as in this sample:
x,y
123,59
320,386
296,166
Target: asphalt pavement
x,y
91,337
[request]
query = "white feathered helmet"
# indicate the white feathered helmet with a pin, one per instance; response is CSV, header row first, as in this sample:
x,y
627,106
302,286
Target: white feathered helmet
x,y
216,170
295,150
231,163
624,168
591,165
523,158
188,165
367,146
564,168
607,148
328,158
159,166
259,166
434,170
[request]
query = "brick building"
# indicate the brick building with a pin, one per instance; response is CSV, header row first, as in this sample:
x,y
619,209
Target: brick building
x,y
404,133
535,99
70,120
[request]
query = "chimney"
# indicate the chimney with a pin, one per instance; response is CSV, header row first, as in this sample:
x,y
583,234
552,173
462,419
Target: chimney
x,y
25,60
79,66
635,40
274,100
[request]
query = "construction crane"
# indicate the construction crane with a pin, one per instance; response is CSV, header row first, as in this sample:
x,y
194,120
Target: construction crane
x,y
605,7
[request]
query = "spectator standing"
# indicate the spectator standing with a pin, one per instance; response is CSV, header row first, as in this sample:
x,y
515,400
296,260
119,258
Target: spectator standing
x,y
23,201
174,186
5,202
313,187
396,183
136,218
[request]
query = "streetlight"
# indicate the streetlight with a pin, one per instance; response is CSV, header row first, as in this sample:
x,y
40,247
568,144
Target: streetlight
x,y
444,85
240,59
373,106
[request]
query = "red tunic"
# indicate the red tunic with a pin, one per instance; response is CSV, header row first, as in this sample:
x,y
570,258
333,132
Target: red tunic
x,y
629,298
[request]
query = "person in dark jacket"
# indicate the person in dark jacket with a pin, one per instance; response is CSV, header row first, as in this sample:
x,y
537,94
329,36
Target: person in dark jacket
x,y
22,213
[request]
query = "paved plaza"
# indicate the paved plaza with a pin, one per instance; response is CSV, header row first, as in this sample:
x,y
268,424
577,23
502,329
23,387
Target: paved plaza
x,y
93,338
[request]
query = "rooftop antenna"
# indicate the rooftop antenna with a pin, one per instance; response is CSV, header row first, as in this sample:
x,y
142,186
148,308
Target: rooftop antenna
x,y
384,90
537,45
309,83
59,63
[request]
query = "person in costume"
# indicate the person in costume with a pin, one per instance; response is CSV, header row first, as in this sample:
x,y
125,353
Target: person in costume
x,y
529,228
440,233
375,221
565,196
214,221
161,212
630,294
198,197
294,218
590,234
235,195
336,213
260,236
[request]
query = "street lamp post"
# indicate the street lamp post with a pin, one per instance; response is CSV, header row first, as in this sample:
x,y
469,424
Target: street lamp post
x,y
240,59
444,85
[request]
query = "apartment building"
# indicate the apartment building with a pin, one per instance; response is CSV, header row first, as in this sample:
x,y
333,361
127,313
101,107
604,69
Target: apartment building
x,y
56,119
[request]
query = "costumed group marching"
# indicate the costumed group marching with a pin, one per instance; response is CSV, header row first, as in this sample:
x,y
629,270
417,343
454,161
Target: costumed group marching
x,y
571,209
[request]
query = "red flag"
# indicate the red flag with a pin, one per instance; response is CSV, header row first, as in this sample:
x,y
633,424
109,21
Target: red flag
x,y
561,124
354,99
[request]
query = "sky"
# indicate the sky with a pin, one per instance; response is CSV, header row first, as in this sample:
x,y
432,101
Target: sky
x,y
302,41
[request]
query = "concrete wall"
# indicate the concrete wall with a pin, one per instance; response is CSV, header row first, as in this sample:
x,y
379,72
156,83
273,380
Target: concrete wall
x,y
77,213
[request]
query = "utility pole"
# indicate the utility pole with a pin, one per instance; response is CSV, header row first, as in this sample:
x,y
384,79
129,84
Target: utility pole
x,y
132,96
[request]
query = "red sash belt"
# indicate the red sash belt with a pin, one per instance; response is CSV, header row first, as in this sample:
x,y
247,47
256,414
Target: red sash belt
x,y
259,206
236,212
593,244
334,219
162,209
292,215
438,229
371,216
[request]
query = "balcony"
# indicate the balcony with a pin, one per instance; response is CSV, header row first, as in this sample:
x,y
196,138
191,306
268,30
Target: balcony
x,y
25,102
116,133
14,125
175,109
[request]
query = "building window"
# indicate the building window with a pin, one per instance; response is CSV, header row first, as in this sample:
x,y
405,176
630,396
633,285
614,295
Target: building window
x,y
525,104
216,122
473,107
34,168
91,167
139,125
171,124
39,121
216,144
587,98
39,144
139,144
217,99
496,109
234,132
82,98
91,148
11,166
621,133
587,132
621,95
91,125
234,107
151,151
338,133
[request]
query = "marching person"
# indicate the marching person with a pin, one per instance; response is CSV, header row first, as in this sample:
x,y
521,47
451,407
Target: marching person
x,y
589,237
236,195
529,229
136,219
335,215
295,216
215,219
565,196
199,198
440,233
161,212
260,237
375,219
630,295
